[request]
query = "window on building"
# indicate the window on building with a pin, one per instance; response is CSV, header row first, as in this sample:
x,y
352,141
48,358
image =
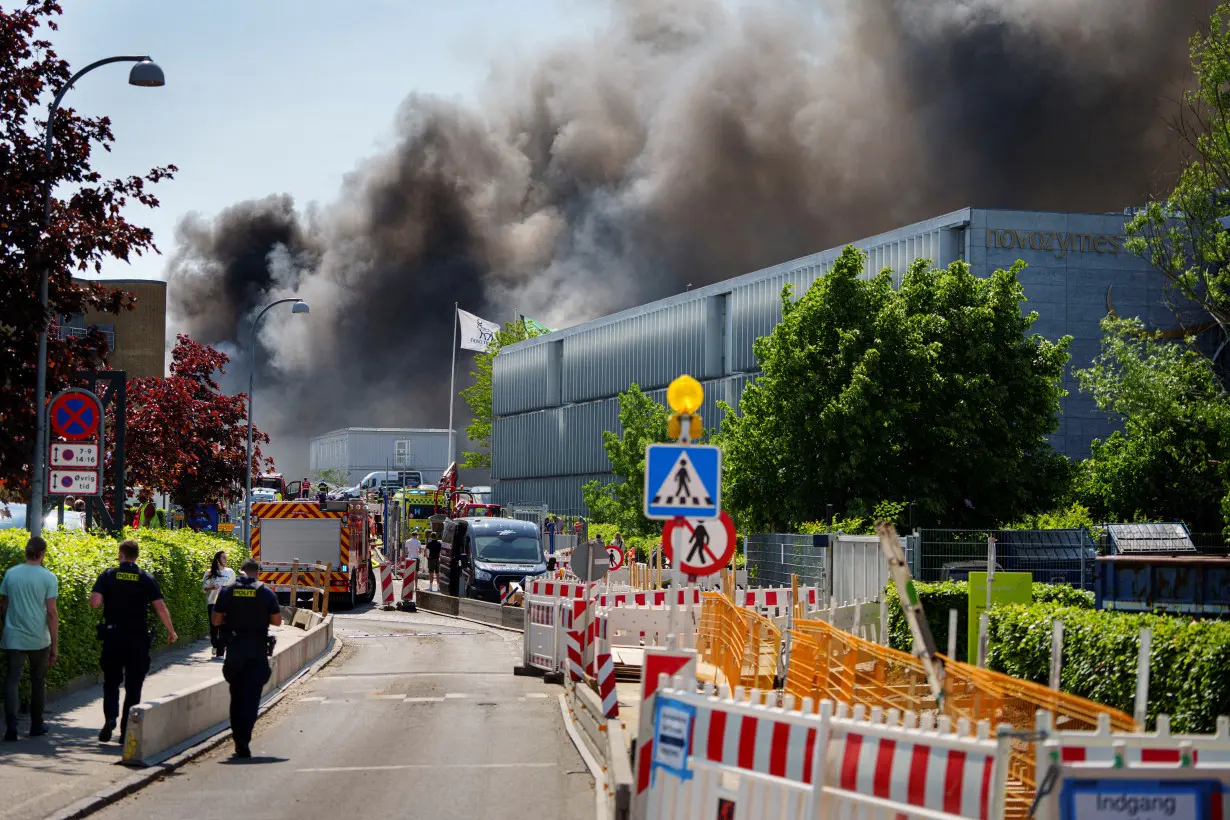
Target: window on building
x,y
403,453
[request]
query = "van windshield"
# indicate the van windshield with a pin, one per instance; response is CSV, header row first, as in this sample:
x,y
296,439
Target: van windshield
x,y
508,549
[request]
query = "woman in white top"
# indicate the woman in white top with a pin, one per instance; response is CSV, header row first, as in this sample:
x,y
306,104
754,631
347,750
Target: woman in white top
x,y
219,576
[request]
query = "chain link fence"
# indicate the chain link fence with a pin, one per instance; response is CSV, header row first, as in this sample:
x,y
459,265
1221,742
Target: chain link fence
x,y
773,557
1051,556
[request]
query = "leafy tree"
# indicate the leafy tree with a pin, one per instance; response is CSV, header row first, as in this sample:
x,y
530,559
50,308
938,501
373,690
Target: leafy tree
x,y
643,422
1170,460
185,437
1186,236
934,393
86,228
478,395
334,476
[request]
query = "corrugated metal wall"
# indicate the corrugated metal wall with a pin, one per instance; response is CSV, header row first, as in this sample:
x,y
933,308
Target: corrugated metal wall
x,y
570,382
562,495
649,349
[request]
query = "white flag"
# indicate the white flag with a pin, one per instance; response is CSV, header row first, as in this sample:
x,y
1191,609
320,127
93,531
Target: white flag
x,y
476,333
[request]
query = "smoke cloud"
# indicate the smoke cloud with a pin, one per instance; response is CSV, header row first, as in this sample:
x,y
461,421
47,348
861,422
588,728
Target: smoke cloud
x,y
685,143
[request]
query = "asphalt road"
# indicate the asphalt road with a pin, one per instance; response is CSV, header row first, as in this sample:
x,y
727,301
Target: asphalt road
x,y
419,716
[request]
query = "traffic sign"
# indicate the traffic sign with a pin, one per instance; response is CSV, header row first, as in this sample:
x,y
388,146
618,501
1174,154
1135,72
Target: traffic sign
x,y
589,564
616,556
73,482
705,545
76,415
682,480
74,455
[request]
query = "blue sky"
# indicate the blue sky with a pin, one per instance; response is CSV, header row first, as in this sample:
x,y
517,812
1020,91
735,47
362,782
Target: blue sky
x,y
275,96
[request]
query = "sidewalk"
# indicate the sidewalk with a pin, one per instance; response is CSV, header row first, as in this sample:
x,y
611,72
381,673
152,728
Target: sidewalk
x,y
40,776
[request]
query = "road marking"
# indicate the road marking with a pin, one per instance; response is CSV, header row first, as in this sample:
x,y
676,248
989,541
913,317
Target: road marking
x,y
313,699
537,695
456,695
424,700
375,696
433,766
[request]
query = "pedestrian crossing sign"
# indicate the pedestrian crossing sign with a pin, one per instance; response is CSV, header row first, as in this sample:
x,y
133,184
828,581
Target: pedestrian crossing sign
x,y
682,480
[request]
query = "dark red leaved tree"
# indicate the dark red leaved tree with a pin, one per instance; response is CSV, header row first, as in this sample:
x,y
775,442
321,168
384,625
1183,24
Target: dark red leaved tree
x,y
85,229
185,437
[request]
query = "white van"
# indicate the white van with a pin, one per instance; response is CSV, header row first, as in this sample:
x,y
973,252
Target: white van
x,y
390,480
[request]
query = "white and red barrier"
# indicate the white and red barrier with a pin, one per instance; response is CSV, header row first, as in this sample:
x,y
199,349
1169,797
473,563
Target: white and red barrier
x,y
1138,748
577,640
687,596
778,599
771,762
660,664
640,626
409,585
559,589
543,633
384,584
606,684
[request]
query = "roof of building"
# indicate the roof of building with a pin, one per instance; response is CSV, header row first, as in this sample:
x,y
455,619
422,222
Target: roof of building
x,y
162,282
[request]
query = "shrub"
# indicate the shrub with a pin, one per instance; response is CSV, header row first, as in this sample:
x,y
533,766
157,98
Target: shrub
x,y
940,597
1187,667
177,558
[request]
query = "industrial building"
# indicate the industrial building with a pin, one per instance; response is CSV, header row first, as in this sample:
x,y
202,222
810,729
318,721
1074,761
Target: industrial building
x,y
362,450
554,395
137,338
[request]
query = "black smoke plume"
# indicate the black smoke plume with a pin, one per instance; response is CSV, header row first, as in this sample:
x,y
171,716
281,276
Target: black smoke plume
x,y
686,143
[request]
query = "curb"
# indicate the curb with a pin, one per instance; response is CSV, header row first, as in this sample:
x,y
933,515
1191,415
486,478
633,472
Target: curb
x,y
471,620
111,794
596,771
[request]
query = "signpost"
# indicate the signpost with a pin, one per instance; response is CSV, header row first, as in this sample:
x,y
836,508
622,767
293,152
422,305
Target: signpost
x,y
704,545
75,464
1005,588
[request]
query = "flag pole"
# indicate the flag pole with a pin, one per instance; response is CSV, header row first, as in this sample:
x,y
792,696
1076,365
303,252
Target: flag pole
x,y
452,383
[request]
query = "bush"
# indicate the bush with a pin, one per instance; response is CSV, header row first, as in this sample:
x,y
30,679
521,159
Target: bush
x,y
177,558
1187,667
940,597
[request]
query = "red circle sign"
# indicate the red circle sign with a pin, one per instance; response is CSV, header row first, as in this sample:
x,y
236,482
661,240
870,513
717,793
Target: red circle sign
x,y
75,415
707,544
615,556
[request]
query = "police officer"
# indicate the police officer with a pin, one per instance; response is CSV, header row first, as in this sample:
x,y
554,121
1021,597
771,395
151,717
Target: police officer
x,y
246,609
126,594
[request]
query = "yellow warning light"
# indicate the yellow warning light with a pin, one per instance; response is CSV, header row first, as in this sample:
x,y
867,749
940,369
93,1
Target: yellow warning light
x,y
685,394
695,429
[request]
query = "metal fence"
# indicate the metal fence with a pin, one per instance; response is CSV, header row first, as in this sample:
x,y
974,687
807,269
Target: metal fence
x,y
1051,556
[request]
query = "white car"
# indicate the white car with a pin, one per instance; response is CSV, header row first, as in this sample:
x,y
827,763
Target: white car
x,y
264,494
13,516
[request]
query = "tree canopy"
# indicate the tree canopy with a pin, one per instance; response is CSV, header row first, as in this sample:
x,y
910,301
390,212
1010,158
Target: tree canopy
x,y
1186,235
86,228
1170,460
184,436
934,393
642,422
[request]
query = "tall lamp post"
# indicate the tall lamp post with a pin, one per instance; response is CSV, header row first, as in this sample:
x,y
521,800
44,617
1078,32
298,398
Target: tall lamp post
x,y
300,307
147,74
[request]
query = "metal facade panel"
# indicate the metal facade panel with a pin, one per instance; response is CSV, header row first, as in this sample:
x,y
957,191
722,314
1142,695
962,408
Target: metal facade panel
x,y
519,380
756,309
649,349
562,495
527,445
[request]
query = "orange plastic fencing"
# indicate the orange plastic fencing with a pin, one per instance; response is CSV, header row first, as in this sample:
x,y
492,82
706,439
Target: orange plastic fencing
x,y
742,645
826,662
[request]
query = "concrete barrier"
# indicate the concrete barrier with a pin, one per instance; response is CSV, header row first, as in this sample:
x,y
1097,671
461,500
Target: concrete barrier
x,y
480,611
605,740
161,727
437,602
514,617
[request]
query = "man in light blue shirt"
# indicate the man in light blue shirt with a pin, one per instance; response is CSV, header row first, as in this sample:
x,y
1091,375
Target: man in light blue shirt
x,y
31,632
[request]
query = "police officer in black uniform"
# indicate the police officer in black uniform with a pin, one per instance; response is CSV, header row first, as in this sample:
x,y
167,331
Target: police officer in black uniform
x,y
126,594
246,609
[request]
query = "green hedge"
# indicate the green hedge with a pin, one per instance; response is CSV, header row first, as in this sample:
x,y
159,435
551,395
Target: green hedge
x,y
940,597
1189,667
177,558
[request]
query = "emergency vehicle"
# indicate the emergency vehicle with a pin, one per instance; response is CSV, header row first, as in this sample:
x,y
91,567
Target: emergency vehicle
x,y
337,532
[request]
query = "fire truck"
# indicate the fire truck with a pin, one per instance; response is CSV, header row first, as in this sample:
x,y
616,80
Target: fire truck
x,y
335,532
455,501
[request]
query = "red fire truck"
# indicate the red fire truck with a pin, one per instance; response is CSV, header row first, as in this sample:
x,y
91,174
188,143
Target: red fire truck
x,y
336,532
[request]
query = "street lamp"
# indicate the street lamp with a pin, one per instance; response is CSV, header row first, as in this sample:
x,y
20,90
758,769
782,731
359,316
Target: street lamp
x,y
146,74
300,307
